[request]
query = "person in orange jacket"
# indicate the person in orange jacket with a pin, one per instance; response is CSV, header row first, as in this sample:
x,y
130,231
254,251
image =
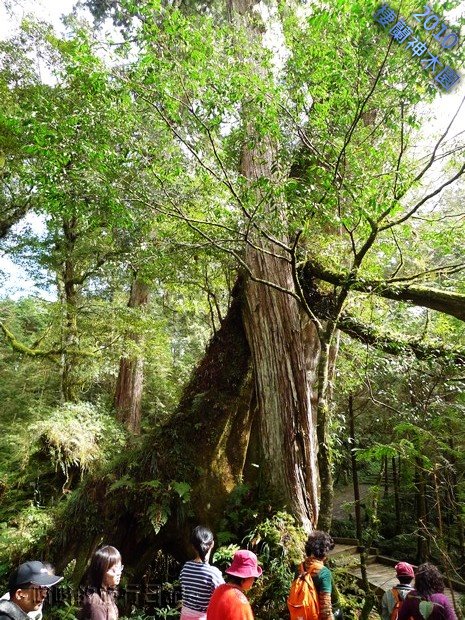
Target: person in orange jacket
x,y
229,601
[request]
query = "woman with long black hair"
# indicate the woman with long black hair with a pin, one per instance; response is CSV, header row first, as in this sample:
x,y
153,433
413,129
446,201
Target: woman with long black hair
x,y
103,578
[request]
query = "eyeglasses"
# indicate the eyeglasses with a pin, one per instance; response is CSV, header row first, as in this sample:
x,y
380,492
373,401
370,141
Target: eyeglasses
x,y
116,570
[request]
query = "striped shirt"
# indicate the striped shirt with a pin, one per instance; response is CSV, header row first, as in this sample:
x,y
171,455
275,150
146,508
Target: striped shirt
x,y
198,580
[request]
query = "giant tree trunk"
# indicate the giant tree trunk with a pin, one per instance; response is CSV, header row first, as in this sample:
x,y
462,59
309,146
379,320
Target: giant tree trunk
x,y
204,444
274,329
129,385
274,326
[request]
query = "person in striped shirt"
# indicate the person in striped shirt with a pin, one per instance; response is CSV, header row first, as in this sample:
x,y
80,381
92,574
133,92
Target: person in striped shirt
x,y
199,579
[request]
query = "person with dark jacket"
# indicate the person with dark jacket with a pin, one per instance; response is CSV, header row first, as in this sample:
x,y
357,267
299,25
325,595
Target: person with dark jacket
x,y
28,587
104,576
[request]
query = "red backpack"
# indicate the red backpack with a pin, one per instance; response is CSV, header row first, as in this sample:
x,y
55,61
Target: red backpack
x,y
302,601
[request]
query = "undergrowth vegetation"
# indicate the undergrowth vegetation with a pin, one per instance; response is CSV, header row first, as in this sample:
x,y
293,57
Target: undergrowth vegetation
x,y
41,463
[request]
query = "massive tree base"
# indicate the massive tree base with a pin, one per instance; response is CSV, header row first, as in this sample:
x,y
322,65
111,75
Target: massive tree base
x,y
183,474
140,505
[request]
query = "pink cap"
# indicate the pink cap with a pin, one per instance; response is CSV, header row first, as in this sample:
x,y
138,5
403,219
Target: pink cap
x,y
404,569
244,564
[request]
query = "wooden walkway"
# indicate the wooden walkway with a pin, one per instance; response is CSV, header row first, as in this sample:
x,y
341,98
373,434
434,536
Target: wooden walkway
x,y
380,569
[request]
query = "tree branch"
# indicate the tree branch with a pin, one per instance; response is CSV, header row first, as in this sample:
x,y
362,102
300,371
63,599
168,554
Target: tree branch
x,y
50,354
395,345
450,303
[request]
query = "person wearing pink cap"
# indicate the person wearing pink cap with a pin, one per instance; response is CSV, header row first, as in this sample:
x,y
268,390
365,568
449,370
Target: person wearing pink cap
x,y
427,601
393,599
228,601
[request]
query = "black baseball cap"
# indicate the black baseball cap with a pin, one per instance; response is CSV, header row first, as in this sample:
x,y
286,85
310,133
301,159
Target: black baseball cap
x,y
32,572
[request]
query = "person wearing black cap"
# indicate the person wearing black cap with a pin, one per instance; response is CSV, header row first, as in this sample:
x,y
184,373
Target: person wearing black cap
x,y
28,586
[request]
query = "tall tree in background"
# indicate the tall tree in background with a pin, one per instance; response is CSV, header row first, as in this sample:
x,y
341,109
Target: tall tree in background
x,y
129,384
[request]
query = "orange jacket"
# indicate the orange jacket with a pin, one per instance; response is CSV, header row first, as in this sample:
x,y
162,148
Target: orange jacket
x,y
228,602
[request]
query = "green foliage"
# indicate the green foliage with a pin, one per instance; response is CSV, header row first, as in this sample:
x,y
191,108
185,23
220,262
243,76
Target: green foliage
x,y
279,544
39,464
63,611
133,160
401,545
26,382
224,554
22,532
167,612
78,435
277,537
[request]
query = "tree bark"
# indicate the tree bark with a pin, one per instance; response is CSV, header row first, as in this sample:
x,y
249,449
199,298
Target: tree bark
x,y
353,459
70,337
274,326
129,385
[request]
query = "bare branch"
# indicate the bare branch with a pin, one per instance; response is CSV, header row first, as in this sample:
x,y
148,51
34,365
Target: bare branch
x,y
432,158
421,202
359,112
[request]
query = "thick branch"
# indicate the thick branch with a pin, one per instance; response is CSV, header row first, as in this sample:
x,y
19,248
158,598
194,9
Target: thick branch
x,y
397,345
11,216
451,303
324,307
51,354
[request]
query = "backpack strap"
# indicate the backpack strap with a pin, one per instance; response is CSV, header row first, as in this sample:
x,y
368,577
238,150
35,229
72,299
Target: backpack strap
x,y
313,567
396,595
